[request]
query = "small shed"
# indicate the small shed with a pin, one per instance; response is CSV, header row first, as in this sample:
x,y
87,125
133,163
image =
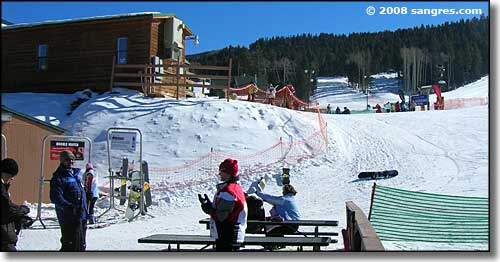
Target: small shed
x,y
23,142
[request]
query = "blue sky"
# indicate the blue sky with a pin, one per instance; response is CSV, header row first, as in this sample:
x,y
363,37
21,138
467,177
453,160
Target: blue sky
x,y
220,24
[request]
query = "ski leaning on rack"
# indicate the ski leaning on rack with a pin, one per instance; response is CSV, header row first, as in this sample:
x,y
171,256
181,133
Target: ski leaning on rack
x,y
378,174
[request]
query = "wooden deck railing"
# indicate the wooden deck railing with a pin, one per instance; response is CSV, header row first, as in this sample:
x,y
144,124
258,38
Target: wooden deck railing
x,y
173,83
360,235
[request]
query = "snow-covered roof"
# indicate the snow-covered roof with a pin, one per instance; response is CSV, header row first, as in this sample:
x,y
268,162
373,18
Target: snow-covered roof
x,y
33,119
106,17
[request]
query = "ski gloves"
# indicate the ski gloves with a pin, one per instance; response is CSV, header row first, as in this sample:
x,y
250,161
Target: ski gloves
x,y
206,204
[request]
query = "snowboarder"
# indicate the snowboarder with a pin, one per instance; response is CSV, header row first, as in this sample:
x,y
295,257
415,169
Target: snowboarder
x,y
346,111
68,196
90,180
284,208
13,217
337,110
328,109
379,108
228,211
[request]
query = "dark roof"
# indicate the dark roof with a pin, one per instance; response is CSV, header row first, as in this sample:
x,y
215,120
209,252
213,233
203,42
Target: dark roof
x,y
76,20
10,110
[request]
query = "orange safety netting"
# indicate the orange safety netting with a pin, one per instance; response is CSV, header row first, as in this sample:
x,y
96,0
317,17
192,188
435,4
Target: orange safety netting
x,y
285,97
205,169
464,102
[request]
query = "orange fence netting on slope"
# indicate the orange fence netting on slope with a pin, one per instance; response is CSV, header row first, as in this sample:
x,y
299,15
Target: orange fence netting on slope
x,y
205,168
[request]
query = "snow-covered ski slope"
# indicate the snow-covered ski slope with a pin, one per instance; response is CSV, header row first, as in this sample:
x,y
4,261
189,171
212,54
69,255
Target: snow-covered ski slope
x,y
444,152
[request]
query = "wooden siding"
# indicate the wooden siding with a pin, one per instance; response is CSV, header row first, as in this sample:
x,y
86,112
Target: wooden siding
x,y
157,49
24,144
79,55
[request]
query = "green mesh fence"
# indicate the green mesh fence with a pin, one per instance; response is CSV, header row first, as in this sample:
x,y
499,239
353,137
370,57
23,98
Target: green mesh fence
x,y
401,215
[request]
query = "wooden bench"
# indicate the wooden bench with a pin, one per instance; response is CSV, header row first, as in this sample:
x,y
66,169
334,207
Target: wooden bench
x,y
178,240
315,223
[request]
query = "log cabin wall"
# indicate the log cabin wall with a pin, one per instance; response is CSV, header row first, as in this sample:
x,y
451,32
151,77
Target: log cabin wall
x,y
158,49
79,54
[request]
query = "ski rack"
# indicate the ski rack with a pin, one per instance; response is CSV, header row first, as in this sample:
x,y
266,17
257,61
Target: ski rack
x,y
4,143
43,180
111,177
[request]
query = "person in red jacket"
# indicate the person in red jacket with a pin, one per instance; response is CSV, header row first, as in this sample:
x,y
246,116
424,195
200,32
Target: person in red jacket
x,y
396,107
228,211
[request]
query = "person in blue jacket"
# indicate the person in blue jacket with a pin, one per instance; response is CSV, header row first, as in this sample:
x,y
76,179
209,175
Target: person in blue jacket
x,y
67,193
284,208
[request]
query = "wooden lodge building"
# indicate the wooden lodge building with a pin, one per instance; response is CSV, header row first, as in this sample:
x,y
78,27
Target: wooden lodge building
x,y
142,51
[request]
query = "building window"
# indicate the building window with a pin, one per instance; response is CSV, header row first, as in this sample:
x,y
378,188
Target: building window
x,y
42,57
122,47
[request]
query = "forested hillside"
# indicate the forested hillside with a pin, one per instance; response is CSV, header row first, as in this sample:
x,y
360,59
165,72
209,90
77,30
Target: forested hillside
x,y
460,48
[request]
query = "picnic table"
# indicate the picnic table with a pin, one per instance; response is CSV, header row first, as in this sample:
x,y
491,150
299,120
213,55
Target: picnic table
x,y
206,241
314,223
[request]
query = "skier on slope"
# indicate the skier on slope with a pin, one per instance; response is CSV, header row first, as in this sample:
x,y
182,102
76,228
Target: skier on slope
x,y
271,94
228,211
252,89
90,186
387,107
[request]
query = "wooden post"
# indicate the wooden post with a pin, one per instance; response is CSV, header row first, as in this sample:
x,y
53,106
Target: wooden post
x,y
145,88
203,88
151,88
142,84
371,200
112,74
178,76
229,79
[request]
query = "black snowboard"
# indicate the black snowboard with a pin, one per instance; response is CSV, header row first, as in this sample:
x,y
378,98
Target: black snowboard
x,y
147,189
123,181
378,174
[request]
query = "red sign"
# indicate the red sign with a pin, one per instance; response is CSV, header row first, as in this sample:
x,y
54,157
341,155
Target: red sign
x,y
77,147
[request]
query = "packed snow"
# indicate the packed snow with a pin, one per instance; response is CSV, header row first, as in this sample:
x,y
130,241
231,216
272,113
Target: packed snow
x,y
444,152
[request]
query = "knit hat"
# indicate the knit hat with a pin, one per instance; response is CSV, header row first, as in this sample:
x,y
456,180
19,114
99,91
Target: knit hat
x,y
89,166
66,154
10,166
229,166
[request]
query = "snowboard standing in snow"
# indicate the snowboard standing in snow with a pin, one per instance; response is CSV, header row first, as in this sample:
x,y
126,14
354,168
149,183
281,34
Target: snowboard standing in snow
x,y
147,189
123,181
378,174
134,195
